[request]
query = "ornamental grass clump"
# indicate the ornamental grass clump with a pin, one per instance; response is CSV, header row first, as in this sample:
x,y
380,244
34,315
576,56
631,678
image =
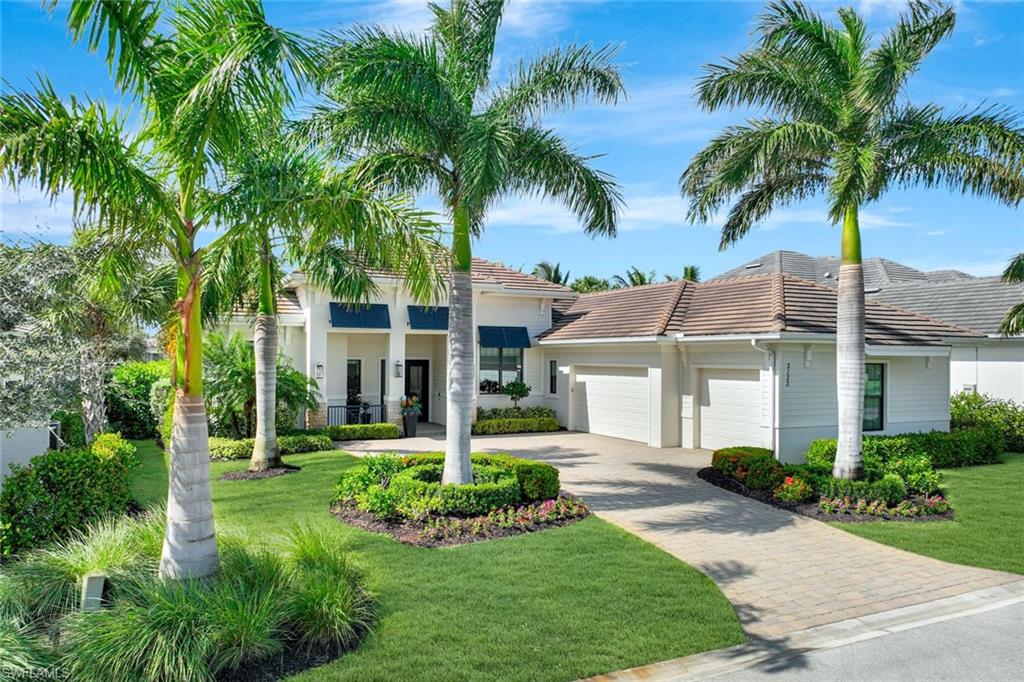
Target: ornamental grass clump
x,y
304,601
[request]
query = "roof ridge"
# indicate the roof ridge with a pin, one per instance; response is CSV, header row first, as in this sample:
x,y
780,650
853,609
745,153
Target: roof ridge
x,y
618,290
670,309
778,318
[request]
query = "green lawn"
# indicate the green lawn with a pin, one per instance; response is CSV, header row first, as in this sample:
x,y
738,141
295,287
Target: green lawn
x,y
555,605
989,526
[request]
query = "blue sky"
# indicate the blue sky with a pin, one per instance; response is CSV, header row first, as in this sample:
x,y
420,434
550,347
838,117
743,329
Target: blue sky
x,y
645,141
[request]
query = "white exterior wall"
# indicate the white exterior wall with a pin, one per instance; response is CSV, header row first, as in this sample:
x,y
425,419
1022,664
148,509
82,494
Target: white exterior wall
x,y
21,445
996,369
517,311
915,399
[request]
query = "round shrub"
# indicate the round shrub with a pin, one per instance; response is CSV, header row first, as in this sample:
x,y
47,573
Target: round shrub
x,y
729,460
494,488
763,472
538,480
890,489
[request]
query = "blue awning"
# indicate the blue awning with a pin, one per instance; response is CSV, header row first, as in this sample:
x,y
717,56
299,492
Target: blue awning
x,y
373,316
504,337
422,317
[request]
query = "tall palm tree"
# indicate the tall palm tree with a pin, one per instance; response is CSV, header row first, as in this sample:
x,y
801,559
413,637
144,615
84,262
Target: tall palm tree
x,y
634,277
266,182
198,76
1013,323
551,272
421,114
841,126
589,284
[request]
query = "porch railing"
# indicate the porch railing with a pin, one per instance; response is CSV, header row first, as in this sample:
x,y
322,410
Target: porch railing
x,y
356,414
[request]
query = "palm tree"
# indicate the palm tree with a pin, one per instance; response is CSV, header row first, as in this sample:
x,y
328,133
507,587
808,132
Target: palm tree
x,y
1013,323
266,182
422,115
691,273
197,86
589,283
551,273
634,277
842,127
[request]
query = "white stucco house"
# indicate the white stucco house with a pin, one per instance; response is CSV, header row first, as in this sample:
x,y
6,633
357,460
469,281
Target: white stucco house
x,y
739,361
993,364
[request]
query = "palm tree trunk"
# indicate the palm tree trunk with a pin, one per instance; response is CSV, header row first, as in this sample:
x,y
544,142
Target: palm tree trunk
x,y
461,370
92,369
265,454
190,543
850,352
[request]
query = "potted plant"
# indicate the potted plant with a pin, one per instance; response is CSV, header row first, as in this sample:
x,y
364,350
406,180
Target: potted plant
x,y
411,410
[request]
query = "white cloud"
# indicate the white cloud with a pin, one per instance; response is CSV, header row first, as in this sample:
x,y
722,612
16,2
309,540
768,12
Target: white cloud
x,y
642,212
31,213
935,233
523,18
1003,92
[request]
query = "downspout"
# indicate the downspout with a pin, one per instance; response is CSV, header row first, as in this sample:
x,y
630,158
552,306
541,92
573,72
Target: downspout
x,y
769,362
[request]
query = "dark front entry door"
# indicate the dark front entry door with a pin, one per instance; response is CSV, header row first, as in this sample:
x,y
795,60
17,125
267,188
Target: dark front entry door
x,y
417,383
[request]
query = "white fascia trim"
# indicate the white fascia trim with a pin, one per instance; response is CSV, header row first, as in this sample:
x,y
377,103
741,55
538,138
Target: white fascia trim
x,y
606,340
738,338
905,351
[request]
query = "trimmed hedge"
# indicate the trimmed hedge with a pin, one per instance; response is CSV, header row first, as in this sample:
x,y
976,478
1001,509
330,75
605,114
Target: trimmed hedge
x,y
966,447
389,486
227,448
379,431
128,393
972,410
532,412
537,480
62,491
488,427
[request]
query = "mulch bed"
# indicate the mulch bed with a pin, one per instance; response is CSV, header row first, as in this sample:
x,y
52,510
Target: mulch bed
x,y
246,475
810,509
410,532
281,666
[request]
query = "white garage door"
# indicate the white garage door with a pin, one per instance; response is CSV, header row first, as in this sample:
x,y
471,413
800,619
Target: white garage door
x,y
613,401
730,408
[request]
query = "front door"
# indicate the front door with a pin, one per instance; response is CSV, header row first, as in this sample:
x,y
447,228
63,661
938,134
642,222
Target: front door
x,y
417,383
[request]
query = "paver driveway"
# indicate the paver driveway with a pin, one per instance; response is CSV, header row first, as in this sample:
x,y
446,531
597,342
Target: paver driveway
x,y
783,572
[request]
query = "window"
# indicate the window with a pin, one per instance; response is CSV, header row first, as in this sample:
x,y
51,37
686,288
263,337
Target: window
x,y
499,367
383,380
552,377
354,385
874,397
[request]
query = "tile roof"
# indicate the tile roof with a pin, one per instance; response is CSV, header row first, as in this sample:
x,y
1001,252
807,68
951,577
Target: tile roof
x,y
498,274
978,303
287,304
633,311
878,272
740,305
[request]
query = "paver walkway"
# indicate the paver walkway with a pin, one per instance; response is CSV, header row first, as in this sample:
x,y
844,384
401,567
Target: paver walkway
x,y
782,572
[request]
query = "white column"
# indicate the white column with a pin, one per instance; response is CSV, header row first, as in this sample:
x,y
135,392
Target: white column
x,y
396,353
317,322
670,391
476,355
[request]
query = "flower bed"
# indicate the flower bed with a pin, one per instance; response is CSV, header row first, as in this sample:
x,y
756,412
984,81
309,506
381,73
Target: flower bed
x,y
902,487
403,496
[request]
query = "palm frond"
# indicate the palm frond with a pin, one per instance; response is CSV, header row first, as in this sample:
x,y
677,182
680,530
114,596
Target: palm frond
x,y
772,192
1013,323
562,79
80,147
887,68
368,124
543,165
467,30
1014,272
795,30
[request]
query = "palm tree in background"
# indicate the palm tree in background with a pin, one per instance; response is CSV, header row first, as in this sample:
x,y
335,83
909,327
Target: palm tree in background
x,y
1013,323
634,277
198,76
421,115
691,273
840,126
590,283
549,272
270,187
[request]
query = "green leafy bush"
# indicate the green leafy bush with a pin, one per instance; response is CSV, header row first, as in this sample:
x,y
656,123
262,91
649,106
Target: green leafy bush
x,y
72,428
763,472
420,486
532,412
729,460
161,409
969,410
488,427
516,390
965,447
261,604
917,472
62,491
379,431
227,448
128,397
888,489
537,480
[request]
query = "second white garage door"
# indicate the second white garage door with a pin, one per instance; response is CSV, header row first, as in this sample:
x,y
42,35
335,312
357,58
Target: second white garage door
x,y
730,408
613,401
